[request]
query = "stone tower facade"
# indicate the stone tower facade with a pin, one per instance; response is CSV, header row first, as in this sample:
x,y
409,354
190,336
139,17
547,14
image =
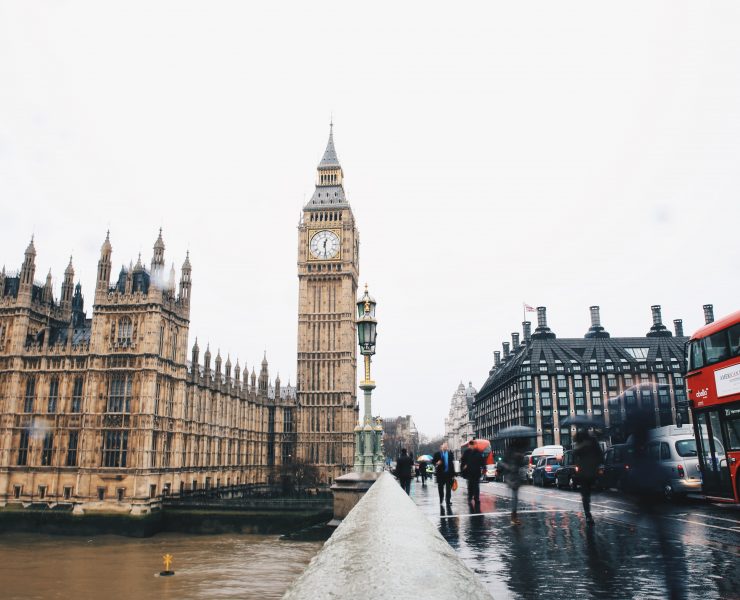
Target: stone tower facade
x,y
107,413
328,268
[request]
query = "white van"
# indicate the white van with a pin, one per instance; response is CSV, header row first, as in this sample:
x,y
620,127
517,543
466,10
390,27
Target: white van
x,y
537,453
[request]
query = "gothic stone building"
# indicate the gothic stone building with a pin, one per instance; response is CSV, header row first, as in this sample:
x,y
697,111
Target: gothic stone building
x,y
544,379
460,422
328,266
106,413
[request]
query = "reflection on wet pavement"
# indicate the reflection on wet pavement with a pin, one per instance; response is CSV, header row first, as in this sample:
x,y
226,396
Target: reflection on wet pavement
x,y
554,554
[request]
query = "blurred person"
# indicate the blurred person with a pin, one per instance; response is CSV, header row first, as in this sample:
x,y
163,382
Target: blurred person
x,y
423,473
587,455
642,485
404,470
416,472
444,465
513,464
471,468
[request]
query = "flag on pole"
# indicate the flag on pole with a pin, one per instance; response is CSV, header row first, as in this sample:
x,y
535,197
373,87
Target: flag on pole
x,y
528,308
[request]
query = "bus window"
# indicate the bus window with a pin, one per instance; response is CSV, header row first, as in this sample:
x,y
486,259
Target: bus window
x,y
733,432
696,355
734,334
716,347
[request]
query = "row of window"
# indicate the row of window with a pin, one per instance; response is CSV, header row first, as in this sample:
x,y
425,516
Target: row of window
x,y
53,397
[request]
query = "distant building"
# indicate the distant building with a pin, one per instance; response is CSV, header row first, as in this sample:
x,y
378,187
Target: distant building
x,y
106,413
460,422
400,432
544,379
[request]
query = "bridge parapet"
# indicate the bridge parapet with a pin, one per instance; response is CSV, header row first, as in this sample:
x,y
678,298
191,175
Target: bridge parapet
x,y
386,548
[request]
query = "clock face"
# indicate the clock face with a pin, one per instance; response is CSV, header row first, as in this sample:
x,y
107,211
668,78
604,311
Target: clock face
x,y
324,245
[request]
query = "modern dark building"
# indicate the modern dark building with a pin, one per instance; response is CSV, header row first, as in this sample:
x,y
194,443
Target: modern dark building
x,y
542,379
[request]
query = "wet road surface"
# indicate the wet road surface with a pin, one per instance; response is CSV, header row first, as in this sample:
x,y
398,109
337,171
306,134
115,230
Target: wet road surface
x,y
692,546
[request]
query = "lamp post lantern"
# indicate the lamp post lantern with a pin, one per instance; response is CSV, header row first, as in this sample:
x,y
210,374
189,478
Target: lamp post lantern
x,y
368,435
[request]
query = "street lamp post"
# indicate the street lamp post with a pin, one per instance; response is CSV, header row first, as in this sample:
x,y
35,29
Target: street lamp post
x,y
368,435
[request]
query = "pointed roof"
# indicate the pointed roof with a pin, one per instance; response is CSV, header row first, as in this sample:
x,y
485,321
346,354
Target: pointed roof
x,y
70,269
330,159
159,243
186,265
106,247
31,248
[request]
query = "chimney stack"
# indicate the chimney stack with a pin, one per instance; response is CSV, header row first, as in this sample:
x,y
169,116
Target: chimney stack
x,y
515,341
527,328
678,325
506,350
658,329
497,358
543,331
596,330
708,314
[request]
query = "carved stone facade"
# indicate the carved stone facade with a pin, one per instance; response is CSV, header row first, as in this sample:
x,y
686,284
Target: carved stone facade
x,y
328,266
107,414
460,422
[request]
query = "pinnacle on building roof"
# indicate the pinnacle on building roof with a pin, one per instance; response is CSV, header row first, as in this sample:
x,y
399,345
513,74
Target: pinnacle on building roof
x,y
70,269
330,159
186,264
159,244
139,266
264,359
31,249
195,345
106,247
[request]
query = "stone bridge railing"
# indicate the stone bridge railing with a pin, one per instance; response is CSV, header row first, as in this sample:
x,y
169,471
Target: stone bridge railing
x,y
386,548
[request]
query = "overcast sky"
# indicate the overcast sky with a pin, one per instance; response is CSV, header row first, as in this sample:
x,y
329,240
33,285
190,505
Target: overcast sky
x,y
560,154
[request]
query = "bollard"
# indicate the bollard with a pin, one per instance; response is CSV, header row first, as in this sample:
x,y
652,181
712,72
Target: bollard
x,y
167,558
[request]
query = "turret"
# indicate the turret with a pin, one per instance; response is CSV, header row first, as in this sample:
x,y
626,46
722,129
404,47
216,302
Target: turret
x,y
2,282
48,294
264,376
228,369
171,281
277,387
28,270
246,378
253,380
104,265
185,281
195,353
218,365
207,361
68,286
237,373
78,308
157,267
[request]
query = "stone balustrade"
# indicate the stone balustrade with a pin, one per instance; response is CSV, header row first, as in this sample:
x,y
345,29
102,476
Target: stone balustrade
x,y
386,548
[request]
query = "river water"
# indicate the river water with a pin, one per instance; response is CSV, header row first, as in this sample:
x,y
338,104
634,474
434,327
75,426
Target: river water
x,y
35,566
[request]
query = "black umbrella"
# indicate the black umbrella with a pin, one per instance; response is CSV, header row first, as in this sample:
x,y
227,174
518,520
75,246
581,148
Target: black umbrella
x,y
582,420
516,431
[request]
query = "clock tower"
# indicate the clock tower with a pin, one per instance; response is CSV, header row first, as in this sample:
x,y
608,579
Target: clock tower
x,y
328,266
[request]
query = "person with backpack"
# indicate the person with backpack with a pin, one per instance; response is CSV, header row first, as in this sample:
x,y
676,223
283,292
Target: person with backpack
x,y
405,470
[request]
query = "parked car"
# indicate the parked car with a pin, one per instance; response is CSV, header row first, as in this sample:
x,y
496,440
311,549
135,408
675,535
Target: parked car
x,y
490,474
532,457
673,450
544,472
617,460
568,473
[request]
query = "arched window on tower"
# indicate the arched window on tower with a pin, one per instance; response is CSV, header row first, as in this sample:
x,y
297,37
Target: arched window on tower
x,y
125,331
173,341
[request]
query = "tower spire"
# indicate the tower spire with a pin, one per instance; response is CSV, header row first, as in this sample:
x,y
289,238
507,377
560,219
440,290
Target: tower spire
x,y
329,191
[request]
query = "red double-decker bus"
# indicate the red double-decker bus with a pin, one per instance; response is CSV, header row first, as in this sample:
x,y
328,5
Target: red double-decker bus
x,y
713,387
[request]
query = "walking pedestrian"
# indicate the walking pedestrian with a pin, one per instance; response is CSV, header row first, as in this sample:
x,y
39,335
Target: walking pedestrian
x,y
423,471
513,463
404,470
471,468
588,457
444,466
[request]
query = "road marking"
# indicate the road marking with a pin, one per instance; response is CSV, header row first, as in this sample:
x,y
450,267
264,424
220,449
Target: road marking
x,y
504,513
711,517
601,504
